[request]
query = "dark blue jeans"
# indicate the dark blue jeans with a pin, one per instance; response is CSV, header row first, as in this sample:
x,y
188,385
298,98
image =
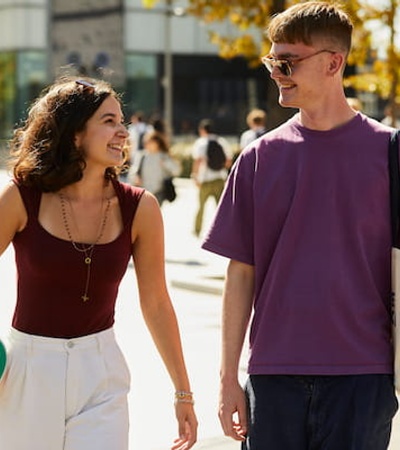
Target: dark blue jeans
x,y
352,412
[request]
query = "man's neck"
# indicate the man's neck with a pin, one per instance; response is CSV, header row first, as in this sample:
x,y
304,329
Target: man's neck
x,y
324,120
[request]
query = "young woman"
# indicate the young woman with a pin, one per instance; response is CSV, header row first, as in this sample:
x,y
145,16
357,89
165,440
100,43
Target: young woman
x,y
74,228
154,166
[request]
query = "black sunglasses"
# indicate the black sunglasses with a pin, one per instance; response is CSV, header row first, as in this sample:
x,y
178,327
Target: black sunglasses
x,y
286,65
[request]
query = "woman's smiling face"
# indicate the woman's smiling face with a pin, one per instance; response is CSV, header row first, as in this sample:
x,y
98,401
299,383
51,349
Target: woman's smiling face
x,y
104,136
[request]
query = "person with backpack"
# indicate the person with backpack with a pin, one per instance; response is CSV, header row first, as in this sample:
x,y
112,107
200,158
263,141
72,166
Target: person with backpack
x,y
211,161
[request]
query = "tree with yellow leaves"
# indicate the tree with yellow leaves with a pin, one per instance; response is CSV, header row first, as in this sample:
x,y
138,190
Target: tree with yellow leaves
x,y
381,75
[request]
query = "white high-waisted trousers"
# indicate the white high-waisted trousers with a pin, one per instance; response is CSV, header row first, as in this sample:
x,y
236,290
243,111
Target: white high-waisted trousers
x,y
64,394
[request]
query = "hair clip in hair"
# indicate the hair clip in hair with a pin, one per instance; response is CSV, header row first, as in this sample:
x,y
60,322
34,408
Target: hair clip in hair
x,y
86,85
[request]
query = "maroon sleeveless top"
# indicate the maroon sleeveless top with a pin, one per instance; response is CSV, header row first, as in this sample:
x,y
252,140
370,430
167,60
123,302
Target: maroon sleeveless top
x,y
52,274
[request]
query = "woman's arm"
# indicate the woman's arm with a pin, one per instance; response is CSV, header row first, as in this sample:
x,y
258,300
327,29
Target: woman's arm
x,y
171,166
12,213
158,312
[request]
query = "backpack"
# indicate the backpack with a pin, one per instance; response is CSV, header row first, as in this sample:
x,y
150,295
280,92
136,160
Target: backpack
x,y
169,191
140,144
216,158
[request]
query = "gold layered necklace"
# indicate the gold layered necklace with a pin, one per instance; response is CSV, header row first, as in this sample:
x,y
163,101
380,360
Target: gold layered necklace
x,y
81,248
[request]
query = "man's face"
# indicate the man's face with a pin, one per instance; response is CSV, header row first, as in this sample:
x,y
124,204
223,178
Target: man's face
x,y
300,72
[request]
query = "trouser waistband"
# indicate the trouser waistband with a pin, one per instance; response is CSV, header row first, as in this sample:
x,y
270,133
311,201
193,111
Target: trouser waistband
x,y
83,342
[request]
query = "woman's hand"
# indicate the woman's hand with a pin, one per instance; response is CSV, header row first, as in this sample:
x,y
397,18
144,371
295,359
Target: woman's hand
x,y
187,426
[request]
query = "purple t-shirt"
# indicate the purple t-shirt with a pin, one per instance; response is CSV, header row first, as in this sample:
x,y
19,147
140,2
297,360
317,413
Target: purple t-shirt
x,y
310,210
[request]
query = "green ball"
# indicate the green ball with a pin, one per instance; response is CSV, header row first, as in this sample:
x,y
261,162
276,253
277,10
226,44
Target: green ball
x,y
3,358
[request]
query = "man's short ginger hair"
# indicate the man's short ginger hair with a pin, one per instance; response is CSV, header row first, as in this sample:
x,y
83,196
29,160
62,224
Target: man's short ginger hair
x,y
311,22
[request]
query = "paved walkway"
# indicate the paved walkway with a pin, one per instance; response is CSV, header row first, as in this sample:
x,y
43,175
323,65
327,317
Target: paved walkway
x,y
190,266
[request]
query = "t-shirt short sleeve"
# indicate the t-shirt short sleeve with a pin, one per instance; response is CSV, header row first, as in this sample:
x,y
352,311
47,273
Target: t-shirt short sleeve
x,y
231,233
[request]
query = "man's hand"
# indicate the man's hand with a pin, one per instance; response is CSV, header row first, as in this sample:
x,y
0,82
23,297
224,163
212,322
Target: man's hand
x,y
233,411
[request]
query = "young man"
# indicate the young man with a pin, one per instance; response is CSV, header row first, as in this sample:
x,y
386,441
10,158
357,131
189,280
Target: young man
x,y
305,223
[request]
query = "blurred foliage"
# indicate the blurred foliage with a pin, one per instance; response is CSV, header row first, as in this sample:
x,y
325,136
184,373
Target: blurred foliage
x,y
374,51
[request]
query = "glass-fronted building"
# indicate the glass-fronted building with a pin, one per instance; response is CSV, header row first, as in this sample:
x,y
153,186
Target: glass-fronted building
x,y
127,44
23,57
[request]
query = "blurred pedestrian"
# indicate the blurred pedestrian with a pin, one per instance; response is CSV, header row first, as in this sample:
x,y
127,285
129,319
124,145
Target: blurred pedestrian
x,y
305,222
209,176
390,118
355,103
158,124
256,122
74,228
155,166
137,128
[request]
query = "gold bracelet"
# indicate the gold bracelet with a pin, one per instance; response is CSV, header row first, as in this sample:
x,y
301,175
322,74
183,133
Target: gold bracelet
x,y
183,394
184,397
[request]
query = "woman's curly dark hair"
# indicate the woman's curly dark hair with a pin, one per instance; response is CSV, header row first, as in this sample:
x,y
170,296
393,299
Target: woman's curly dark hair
x,y
42,152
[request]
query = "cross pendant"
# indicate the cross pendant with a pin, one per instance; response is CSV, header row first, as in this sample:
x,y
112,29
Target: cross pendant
x,y
85,298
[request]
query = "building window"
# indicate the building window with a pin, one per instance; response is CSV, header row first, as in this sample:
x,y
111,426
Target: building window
x,y
22,76
31,79
141,84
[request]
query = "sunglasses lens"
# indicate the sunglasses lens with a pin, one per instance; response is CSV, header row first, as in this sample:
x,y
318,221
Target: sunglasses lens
x,y
282,65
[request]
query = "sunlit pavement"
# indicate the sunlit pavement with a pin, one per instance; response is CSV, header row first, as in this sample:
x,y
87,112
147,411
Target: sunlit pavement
x,y
195,278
